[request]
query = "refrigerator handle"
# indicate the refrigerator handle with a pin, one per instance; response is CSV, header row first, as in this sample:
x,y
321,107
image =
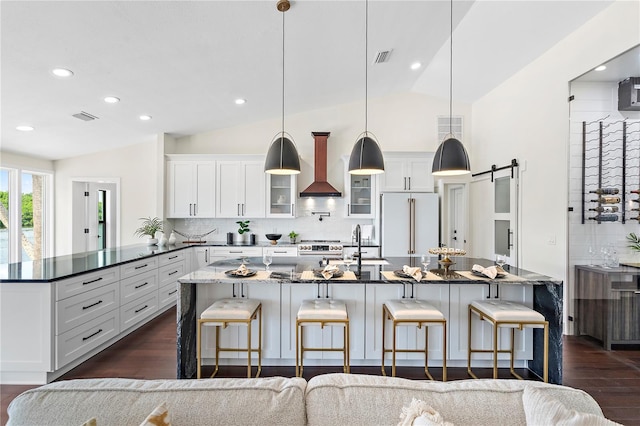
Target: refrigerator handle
x,y
413,225
410,223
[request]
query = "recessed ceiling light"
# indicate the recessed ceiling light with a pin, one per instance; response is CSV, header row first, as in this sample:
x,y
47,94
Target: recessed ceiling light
x,y
145,117
62,72
415,65
111,100
601,68
240,101
24,128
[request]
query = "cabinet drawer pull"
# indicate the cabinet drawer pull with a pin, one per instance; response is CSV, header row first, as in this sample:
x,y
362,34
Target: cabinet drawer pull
x,y
173,292
279,251
172,257
92,305
141,285
232,251
91,335
92,281
141,309
141,266
172,273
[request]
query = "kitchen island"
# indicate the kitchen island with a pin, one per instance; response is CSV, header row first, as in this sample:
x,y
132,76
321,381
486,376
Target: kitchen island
x,y
451,291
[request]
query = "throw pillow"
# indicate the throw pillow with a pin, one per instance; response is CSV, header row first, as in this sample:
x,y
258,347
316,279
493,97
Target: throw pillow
x,y
539,409
90,422
419,413
158,417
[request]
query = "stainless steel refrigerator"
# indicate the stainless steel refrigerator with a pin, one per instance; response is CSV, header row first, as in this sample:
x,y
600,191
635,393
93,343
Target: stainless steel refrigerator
x,y
409,223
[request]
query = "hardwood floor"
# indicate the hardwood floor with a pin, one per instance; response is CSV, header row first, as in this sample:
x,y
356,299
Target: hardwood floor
x,y
611,377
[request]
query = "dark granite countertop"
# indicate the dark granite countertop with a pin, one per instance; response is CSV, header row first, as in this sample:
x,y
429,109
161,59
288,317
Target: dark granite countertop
x,y
291,269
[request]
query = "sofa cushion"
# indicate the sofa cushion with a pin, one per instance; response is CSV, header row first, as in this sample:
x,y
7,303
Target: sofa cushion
x,y
333,399
264,401
542,410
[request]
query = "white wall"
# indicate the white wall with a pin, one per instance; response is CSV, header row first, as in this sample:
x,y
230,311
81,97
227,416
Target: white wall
x,y
526,118
8,159
138,170
401,122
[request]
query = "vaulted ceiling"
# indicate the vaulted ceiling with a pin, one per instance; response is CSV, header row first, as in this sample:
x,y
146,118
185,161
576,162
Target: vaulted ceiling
x,y
185,62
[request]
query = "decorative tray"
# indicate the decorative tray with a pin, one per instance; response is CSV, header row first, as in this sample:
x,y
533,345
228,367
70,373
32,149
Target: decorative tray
x,y
234,273
318,273
400,273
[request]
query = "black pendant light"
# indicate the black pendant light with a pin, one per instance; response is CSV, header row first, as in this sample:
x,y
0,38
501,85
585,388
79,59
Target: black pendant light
x,y
282,157
366,157
451,158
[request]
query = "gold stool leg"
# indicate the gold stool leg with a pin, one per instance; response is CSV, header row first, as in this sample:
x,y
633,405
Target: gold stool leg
x,y
347,354
495,350
215,371
384,320
259,340
249,349
393,351
198,350
297,349
444,351
426,352
469,350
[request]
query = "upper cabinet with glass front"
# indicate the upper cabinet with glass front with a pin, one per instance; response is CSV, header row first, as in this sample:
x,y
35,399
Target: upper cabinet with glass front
x,y
281,195
360,193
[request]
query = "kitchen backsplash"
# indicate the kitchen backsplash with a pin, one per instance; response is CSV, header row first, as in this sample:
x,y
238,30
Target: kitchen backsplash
x,y
308,225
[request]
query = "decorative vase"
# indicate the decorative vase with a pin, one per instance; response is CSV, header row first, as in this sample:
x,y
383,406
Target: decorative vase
x,y
162,239
152,241
172,239
292,240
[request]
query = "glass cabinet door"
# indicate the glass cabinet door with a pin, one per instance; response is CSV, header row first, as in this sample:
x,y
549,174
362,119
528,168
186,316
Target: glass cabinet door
x,y
361,196
281,195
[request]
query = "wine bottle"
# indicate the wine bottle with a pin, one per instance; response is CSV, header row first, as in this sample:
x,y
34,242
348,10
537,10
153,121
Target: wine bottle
x,y
606,218
606,191
607,200
605,209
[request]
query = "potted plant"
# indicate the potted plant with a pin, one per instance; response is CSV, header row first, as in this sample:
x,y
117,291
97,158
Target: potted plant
x,y
634,241
149,228
243,229
292,236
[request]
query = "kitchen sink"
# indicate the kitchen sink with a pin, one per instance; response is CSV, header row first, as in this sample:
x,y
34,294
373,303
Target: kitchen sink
x,y
367,262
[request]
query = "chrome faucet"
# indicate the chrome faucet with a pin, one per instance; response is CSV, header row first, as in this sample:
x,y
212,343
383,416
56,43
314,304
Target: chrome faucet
x,y
358,254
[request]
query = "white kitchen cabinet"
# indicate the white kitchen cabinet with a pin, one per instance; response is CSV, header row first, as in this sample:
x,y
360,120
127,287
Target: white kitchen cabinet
x,y
201,257
280,251
407,337
281,196
360,193
240,190
236,336
461,295
407,171
376,295
191,189
329,336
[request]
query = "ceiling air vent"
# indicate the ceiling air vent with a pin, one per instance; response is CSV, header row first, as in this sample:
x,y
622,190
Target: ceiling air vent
x,y
85,116
382,56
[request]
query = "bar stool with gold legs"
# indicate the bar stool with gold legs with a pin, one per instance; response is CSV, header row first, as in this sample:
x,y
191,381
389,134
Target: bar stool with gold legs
x,y
412,312
226,312
502,313
321,312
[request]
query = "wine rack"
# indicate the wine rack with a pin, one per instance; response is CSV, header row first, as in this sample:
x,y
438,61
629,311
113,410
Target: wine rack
x,y
610,171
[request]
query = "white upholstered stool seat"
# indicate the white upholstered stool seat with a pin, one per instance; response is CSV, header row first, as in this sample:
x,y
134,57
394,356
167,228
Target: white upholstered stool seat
x,y
327,309
230,309
505,311
417,313
225,312
321,312
506,314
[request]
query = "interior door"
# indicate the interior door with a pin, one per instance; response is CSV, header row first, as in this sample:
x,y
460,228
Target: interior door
x,y
495,215
505,215
457,231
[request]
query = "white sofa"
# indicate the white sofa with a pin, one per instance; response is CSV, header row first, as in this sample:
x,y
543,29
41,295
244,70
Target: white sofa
x,y
331,399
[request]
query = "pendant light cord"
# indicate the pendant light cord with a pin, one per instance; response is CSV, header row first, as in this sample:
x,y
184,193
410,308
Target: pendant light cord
x,y
366,67
282,136
451,72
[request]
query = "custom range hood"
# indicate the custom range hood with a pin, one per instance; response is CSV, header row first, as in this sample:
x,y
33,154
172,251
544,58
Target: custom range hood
x,y
320,187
